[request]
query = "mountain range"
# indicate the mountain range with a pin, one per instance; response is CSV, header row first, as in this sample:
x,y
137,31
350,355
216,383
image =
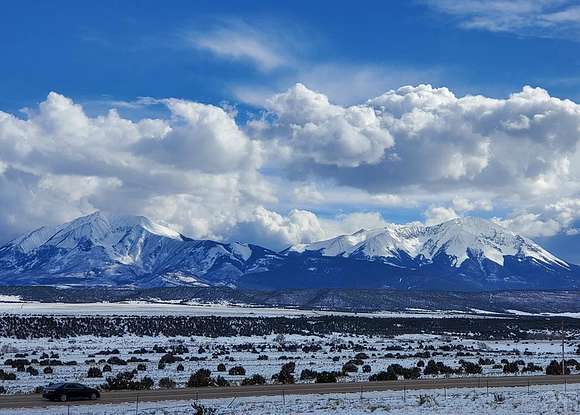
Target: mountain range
x,y
102,249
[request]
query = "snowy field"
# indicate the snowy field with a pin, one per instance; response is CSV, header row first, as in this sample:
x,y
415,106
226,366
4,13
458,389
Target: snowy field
x,y
13,305
502,401
71,358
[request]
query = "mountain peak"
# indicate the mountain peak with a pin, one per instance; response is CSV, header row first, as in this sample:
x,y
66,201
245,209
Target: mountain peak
x,y
98,227
459,239
106,248
103,248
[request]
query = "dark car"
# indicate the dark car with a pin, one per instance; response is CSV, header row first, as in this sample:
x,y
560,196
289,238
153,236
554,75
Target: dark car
x,y
69,391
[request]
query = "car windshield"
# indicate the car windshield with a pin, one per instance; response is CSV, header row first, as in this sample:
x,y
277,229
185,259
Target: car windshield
x,y
56,385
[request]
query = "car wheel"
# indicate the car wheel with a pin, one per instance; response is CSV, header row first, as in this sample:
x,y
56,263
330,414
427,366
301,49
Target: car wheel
x,y
93,396
63,398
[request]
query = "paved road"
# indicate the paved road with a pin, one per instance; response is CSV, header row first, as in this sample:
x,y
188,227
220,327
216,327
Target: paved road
x,y
31,401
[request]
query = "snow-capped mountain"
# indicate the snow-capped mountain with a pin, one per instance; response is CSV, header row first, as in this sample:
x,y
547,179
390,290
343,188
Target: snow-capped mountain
x,y
105,249
459,240
460,254
131,251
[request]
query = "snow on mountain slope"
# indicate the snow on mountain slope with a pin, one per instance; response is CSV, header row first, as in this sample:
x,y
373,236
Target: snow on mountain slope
x,y
459,239
104,249
131,251
100,228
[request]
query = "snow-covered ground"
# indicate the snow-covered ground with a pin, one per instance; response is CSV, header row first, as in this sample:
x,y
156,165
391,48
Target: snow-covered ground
x,y
503,401
144,308
330,354
15,305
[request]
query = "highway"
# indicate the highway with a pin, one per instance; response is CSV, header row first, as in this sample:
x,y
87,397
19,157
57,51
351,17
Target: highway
x,y
156,395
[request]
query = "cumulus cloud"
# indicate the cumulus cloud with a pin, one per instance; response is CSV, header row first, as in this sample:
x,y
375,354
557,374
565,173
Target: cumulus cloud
x,y
201,137
274,230
195,168
424,139
280,176
307,126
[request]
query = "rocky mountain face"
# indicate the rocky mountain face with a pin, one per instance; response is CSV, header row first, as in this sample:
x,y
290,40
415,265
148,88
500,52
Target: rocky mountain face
x,y
131,251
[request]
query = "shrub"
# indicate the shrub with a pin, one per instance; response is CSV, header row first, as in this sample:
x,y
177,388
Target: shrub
x,y
221,367
115,360
433,368
199,379
199,409
221,381
426,400
7,375
254,380
142,367
349,367
382,376
407,373
107,368
308,374
166,383
326,377
94,372
146,383
125,380
555,368
170,359
237,370
366,369
511,367
285,375
47,370
531,367
470,368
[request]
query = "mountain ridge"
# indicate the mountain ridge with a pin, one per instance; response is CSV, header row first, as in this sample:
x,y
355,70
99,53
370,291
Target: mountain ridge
x,y
102,249
455,237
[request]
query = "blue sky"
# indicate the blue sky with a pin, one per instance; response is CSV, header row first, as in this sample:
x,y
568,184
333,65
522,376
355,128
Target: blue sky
x,y
121,50
212,135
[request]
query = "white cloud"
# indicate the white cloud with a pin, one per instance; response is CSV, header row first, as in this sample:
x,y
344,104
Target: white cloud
x,y
542,18
531,225
274,230
209,175
419,139
308,126
463,204
344,224
195,169
202,137
234,39
438,214
307,192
